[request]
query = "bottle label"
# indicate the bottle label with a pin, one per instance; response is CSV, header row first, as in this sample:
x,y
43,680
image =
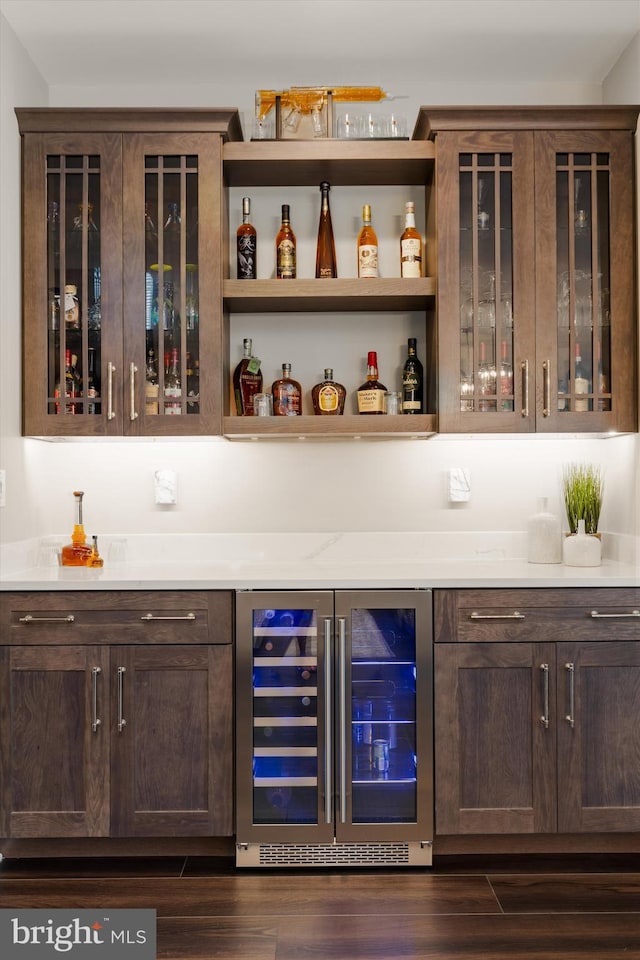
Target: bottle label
x,y
368,261
71,310
328,398
410,256
286,260
286,401
370,401
172,394
246,257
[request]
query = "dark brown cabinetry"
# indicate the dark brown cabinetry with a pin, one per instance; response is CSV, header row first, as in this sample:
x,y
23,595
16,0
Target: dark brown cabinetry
x,y
534,227
536,695
116,714
122,220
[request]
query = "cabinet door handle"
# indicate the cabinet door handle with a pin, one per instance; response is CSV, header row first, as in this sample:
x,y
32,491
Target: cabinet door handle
x,y
95,719
497,616
28,618
544,719
525,387
110,372
546,389
342,664
571,674
148,617
328,722
614,616
132,391
121,720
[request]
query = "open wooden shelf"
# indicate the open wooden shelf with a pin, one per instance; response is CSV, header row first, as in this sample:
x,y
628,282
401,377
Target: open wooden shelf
x,y
346,427
269,296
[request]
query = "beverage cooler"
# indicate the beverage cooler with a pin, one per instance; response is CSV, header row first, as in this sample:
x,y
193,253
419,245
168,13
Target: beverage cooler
x,y
334,721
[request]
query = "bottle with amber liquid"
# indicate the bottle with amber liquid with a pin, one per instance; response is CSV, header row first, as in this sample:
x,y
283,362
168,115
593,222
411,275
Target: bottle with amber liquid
x,y
95,560
328,396
410,244
285,248
247,380
247,239
412,381
76,553
367,246
326,250
371,393
287,394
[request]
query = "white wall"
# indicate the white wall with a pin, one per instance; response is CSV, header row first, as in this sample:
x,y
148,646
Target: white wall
x,y
224,486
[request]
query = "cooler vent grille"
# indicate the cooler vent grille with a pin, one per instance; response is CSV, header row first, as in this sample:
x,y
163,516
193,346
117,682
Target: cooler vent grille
x,y
329,854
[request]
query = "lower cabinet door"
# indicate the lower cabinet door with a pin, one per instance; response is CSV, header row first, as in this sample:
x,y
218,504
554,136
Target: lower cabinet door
x,y
54,741
172,763
495,758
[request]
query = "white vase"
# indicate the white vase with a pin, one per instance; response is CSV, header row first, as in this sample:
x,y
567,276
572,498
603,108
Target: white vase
x,y
544,543
582,549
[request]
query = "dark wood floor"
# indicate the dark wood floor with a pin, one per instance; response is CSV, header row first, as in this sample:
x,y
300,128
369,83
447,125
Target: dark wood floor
x,y
534,908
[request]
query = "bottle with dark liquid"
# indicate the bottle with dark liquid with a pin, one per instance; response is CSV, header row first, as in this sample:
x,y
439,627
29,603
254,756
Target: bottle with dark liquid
x,y
246,244
328,396
371,393
287,394
285,248
247,380
326,250
412,381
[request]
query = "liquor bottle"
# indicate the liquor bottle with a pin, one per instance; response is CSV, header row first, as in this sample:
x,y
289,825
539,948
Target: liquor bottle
x,y
246,244
93,383
581,382
71,383
505,375
76,553
371,393
95,560
410,245
325,250
412,381
367,246
193,386
285,248
247,380
604,402
173,386
287,395
71,307
328,396
488,382
151,387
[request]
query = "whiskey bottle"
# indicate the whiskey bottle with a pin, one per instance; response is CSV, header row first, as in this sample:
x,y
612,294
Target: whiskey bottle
x,y
371,393
151,387
367,246
285,248
328,396
287,395
173,386
247,380
76,553
326,250
412,381
246,244
410,245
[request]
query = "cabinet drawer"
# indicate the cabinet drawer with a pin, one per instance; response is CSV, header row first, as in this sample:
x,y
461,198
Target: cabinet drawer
x,y
537,615
163,616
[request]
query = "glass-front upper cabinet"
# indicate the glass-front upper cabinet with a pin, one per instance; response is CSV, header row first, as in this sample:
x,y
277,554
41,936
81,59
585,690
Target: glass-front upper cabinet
x,y
536,269
122,271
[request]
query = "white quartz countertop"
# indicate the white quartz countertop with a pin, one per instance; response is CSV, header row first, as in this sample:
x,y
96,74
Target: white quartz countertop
x,y
309,561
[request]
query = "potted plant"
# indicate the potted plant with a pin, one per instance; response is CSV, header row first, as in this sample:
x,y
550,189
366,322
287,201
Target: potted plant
x,y
582,488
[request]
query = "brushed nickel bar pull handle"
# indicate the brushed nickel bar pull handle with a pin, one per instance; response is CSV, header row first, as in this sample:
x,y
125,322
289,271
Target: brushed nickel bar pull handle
x,y
28,618
342,638
95,719
570,718
148,617
328,722
497,616
614,616
132,391
544,719
525,387
121,720
546,389
110,372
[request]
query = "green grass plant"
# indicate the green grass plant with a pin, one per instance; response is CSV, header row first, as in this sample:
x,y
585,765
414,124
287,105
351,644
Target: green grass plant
x,y
582,488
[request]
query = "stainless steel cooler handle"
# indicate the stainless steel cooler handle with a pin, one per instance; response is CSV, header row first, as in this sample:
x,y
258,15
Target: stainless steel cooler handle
x,y
328,722
342,642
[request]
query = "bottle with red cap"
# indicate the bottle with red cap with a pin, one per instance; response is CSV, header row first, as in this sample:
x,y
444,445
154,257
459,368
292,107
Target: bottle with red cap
x,y
371,393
